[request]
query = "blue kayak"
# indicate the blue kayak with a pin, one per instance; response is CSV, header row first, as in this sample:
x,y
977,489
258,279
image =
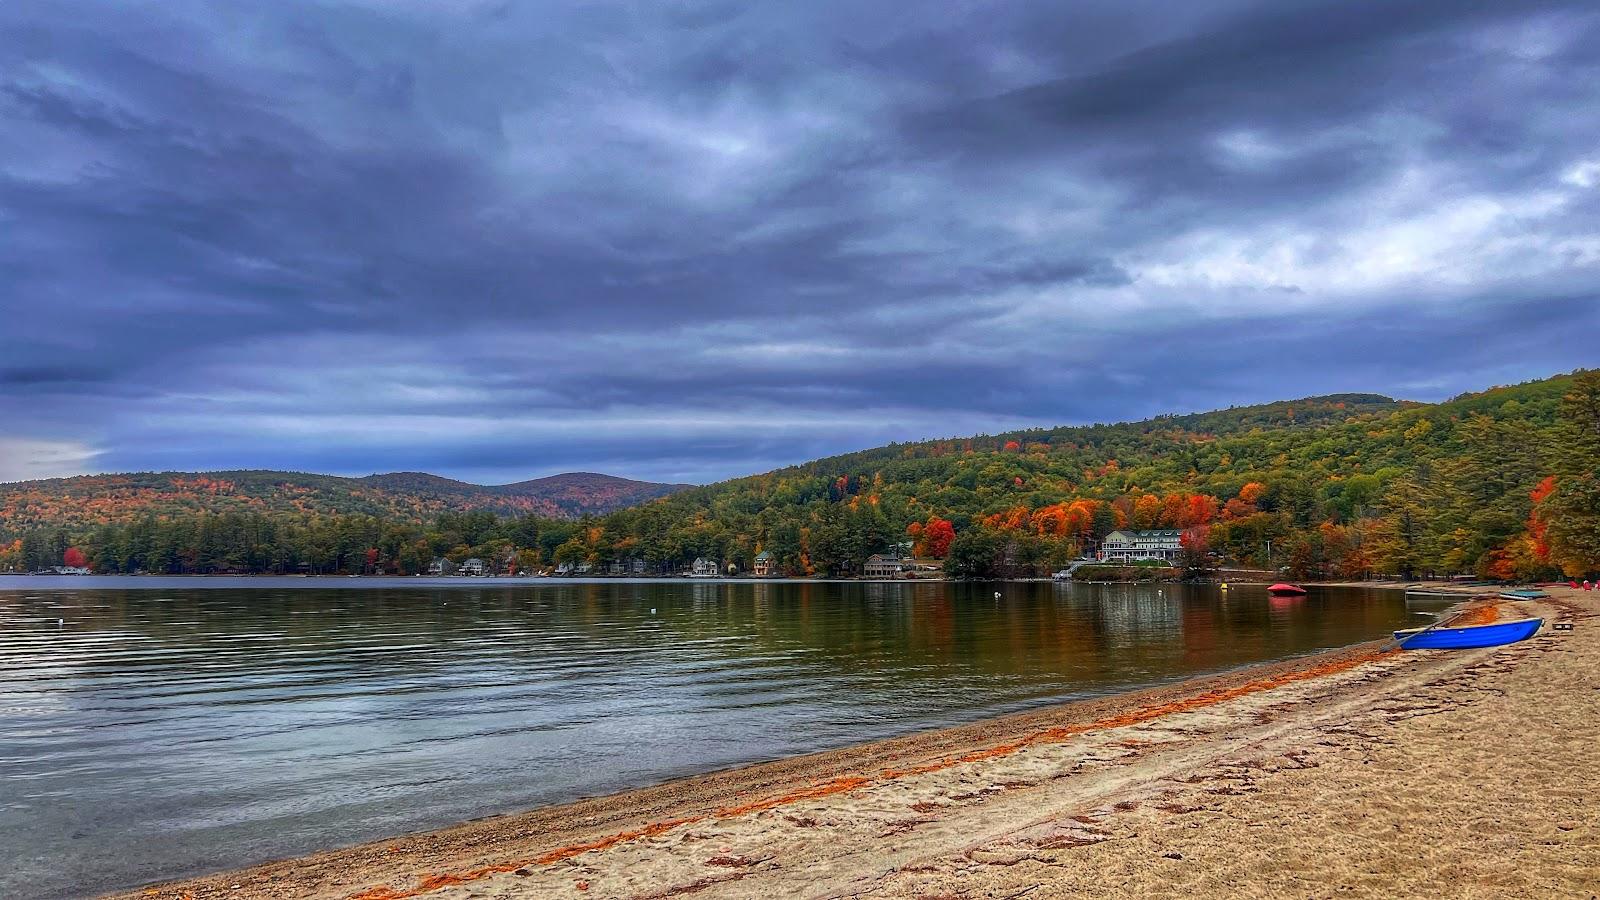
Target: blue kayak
x,y
1468,636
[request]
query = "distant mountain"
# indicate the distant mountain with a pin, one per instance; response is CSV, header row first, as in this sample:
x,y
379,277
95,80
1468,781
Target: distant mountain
x,y
409,496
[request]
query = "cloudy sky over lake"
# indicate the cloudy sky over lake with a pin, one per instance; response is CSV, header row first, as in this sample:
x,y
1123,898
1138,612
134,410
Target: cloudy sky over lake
x,y
685,241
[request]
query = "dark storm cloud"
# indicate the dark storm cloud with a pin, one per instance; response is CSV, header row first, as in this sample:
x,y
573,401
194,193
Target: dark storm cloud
x,y
689,241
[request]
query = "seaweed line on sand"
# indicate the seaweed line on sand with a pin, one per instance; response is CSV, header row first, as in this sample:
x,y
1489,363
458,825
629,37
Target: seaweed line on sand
x,y
429,882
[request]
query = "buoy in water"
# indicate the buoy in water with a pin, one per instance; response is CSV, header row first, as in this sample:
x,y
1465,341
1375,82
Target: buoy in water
x,y
997,595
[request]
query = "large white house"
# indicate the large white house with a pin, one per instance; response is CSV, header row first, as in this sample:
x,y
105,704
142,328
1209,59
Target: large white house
x,y
1127,546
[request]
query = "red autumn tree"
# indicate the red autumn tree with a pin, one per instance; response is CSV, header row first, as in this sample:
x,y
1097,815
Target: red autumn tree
x,y
1195,552
74,557
1201,509
936,537
1012,446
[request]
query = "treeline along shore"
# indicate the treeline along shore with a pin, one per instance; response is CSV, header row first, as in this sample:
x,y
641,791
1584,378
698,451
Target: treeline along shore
x,y
1502,484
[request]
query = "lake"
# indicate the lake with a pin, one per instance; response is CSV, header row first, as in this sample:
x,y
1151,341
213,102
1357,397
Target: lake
x,y
152,728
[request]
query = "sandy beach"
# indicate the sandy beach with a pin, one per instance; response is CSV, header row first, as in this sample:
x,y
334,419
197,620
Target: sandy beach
x,y
1358,773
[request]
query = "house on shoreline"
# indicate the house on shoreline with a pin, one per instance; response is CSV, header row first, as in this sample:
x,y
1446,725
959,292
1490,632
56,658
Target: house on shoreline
x,y
766,565
880,565
632,567
1125,545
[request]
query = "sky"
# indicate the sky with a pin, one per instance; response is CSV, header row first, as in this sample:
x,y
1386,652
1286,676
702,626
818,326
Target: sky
x,y
686,241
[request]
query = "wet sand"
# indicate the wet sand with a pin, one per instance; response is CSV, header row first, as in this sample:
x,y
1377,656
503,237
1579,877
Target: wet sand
x,y
1358,773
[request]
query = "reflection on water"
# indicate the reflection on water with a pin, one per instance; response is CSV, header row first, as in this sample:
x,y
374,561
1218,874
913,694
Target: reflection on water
x,y
176,727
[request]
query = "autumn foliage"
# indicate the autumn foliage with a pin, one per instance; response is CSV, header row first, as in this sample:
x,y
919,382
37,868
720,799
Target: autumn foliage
x,y
1503,483
932,538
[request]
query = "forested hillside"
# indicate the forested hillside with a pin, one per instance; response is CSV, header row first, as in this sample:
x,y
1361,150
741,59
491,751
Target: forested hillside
x,y
1503,483
415,497
1498,483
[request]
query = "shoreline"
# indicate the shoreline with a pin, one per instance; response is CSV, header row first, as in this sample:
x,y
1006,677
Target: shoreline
x,y
498,840
135,581
530,853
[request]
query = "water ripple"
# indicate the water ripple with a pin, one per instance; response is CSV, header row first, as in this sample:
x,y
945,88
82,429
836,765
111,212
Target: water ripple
x,y
170,729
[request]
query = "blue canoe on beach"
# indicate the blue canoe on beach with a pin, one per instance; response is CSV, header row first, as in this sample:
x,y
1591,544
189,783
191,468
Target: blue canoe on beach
x,y
1468,636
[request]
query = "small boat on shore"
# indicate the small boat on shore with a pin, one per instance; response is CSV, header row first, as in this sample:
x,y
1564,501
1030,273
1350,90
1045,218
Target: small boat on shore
x,y
1467,636
1523,595
1287,590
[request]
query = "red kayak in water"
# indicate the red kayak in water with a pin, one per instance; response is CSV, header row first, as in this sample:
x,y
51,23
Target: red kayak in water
x,y
1286,589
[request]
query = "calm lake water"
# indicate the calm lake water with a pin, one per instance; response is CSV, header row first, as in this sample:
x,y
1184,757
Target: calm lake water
x,y
153,728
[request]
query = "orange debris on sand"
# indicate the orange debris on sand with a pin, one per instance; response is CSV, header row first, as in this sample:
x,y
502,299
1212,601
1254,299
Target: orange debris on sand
x,y
611,840
1054,735
1486,614
827,788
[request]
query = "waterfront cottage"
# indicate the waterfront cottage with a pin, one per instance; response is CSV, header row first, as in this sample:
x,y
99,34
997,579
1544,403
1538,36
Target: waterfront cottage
x,y
441,566
1127,546
631,567
766,565
880,566
473,566
705,567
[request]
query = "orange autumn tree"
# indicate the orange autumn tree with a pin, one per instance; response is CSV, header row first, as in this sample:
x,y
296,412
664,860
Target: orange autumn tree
x,y
1342,550
1009,520
1247,503
1053,520
1526,556
1183,510
1538,528
1252,492
1146,511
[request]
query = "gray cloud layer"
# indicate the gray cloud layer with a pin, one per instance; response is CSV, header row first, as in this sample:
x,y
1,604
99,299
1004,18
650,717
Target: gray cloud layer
x,y
694,240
